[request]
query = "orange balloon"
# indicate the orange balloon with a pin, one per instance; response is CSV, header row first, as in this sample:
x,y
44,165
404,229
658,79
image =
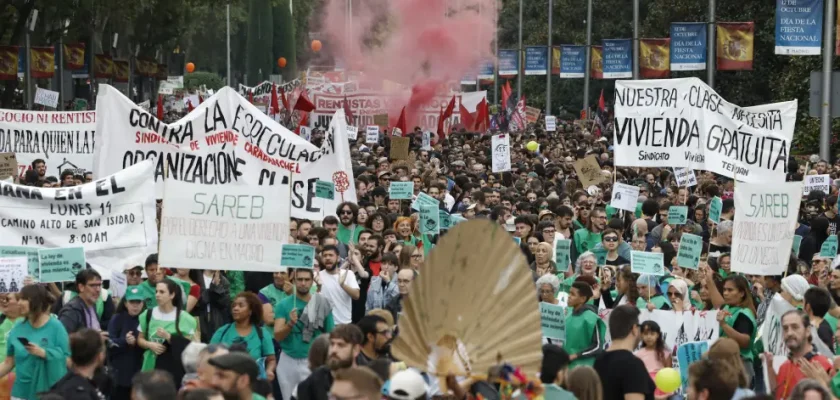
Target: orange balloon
x,y
281,62
316,45
190,67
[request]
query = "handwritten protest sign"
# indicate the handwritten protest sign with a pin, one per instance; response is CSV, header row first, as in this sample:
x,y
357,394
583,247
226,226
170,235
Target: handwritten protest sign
x,y
352,132
61,264
765,219
588,171
31,254
685,177
380,120
691,247
372,135
816,183
500,145
46,97
399,148
12,272
553,321
642,262
8,165
401,190
297,256
550,123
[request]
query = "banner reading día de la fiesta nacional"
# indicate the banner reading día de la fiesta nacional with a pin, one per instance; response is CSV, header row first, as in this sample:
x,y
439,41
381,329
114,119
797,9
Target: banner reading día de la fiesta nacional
x,y
508,62
688,46
799,27
618,58
573,61
536,60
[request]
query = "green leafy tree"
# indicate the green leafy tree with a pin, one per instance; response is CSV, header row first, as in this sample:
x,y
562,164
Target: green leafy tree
x,y
198,79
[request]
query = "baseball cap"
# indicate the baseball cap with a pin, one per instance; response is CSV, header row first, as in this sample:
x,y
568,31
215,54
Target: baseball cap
x,y
405,385
133,293
238,362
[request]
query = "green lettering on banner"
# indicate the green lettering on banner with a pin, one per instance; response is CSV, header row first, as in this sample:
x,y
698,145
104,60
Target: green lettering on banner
x,y
553,321
643,262
61,264
424,199
297,256
562,253
715,208
324,190
429,219
829,247
30,253
797,241
445,220
691,247
401,190
677,215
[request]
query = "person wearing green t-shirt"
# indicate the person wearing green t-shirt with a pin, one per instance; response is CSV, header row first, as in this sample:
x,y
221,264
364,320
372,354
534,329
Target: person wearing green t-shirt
x,y
149,287
650,295
38,346
586,238
298,320
10,317
272,294
737,313
247,331
585,331
166,330
348,232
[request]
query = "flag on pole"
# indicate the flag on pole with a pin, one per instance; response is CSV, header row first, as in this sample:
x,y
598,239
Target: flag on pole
x,y
601,103
348,113
190,107
160,107
401,123
275,103
466,117
655,58
303,103
735,45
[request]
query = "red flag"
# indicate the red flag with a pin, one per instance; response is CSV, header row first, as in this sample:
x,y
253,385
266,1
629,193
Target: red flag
x,y
601,104
401,122
275,104
284,99
348,113
303,103
466,117
440,130
200,99
251,96
449,109
506,93
304,121
482,117
160,107
190,107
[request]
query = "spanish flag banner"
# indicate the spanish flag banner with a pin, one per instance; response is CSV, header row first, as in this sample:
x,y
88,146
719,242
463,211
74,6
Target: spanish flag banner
x,y
9,59
555,60
596,70
145,68
74,56
161,72
43,62
655,58
103,66
735,45
121,71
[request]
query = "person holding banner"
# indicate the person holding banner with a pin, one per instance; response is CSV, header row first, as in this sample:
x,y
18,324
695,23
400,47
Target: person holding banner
x,y
650,295
626,291
585,331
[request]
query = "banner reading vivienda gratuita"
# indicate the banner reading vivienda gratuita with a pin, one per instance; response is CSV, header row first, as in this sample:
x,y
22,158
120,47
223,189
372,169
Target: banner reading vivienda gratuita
x,y
224,141
113,218
684,123
765,221
64,140
217,227
799,27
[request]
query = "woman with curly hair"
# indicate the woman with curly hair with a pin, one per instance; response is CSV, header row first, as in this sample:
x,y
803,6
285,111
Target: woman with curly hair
x,y
405,228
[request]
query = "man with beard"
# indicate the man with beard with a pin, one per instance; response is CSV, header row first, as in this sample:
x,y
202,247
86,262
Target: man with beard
x,y
371,250
299,319
348,232
796,328
377,337
586,238
339,286
345,346
235,374
40,166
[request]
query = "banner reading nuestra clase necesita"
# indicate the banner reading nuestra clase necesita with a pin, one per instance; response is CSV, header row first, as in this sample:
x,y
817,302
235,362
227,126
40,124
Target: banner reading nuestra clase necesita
x,y
684,123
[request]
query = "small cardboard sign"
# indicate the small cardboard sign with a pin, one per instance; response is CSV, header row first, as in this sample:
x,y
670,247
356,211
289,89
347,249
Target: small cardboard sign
x,y
399,148
380,120
372,134
8,165
589,171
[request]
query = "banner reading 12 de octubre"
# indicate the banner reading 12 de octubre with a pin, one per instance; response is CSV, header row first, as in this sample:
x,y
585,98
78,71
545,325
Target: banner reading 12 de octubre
x,y
799,26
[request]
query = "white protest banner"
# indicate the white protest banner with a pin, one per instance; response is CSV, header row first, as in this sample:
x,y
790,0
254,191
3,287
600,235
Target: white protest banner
x,y
678,328
12,272
625,197
225,140
550,123
372,134
215,227
685,177
684,123
817,182
64,140
501,153
145,105
112,218
765,220
46,97
352,132
427,141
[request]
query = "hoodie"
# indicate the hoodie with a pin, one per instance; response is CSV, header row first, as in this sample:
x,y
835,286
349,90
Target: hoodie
x,y
585,335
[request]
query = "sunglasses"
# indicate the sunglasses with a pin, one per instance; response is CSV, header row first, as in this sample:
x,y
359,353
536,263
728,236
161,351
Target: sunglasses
x,y
611,239
673,294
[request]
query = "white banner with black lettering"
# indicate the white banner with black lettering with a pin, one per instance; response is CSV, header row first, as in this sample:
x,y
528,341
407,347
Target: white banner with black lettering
x,y
678,328
225,140
765,220
64,140
501,153
113,218
222,227
684,123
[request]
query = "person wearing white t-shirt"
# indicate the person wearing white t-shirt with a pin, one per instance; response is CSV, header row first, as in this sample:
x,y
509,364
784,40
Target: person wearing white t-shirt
x,y
339,286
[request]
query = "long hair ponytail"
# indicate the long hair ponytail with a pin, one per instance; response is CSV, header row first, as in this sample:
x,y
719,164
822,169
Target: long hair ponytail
x,y
177,301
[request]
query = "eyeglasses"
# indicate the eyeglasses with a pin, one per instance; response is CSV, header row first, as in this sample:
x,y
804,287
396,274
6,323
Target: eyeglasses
x,y
672,294
135,273
547,231
610,239
416,256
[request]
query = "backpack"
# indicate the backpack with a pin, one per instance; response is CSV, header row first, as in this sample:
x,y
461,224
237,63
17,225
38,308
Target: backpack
x,y
238,346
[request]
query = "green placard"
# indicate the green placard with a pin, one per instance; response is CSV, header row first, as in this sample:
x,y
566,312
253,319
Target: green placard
x,y
424,199
715,208
456,219
445,219
829,247
60,265
429,219
562,253
401,190
553,321
677,215
797,241
691,247
600,256
22,251
642,262
324,190
297,256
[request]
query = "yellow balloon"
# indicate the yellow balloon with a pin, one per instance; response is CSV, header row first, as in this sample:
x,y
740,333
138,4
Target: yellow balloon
x,y
532,146
668,380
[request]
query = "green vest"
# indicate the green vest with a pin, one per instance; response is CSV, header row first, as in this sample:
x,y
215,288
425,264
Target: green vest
x,y
100,302
747,353
579,331
657,300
